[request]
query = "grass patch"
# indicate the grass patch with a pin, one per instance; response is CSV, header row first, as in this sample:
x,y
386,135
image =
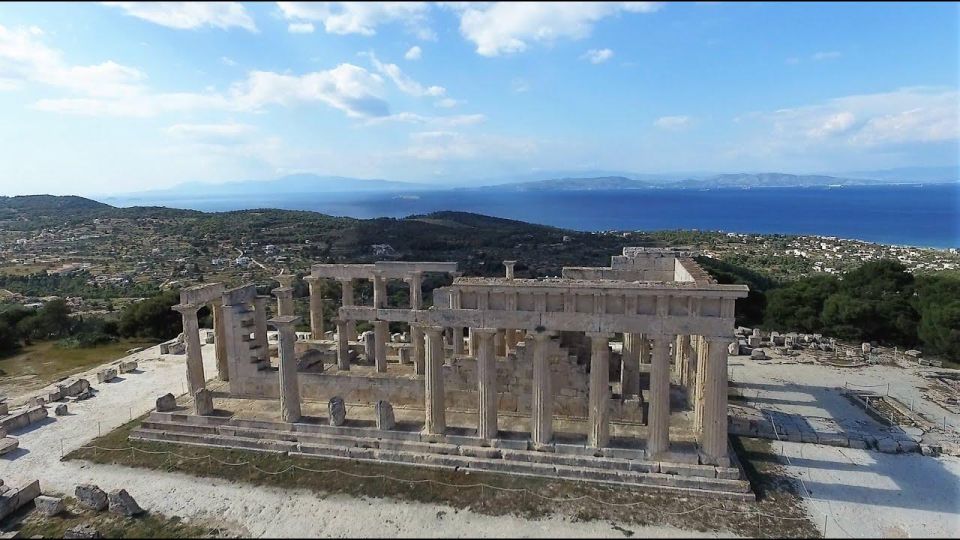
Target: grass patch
x,y
40,364
781,517
29,522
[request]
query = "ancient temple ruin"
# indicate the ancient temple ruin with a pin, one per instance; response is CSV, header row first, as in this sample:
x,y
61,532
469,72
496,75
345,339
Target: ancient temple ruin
x,y
612,374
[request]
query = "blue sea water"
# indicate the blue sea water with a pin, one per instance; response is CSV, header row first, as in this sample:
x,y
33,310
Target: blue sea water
x,y
926,215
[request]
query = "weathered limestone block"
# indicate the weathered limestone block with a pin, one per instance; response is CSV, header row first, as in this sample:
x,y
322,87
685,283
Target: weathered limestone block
x,y
385,417
75,388
82,531
122,503
888,446
54,396
337,411
60,409
4,408
106,375
758,354
86,394
8,444
734,348
49,506
91,497
203,402
12,499
166,403
311,361
36,401
128,366
405,355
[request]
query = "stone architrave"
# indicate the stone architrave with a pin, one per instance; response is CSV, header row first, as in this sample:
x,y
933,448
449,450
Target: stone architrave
x,y
434,406
599,415
541,405
336,411
658,422
487,384
384,414
289,385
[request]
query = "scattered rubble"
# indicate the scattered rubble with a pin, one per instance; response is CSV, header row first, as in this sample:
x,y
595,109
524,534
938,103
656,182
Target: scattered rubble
x,y
91,497
49,506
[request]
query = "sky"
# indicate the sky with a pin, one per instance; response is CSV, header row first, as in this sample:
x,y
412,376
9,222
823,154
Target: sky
x,y
114,97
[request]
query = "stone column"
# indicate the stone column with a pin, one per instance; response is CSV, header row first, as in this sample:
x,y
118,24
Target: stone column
x,y
346,299
541,405
434,407
316,308
260,327
419,349
457,340
191,335
658,421
289,386
509,268
713,438
471,343
487,384
220,339
416,290
644,346
599,417
379,291
699,384
500,343
511,337
284,301
630,367
380,332
343,346
681,352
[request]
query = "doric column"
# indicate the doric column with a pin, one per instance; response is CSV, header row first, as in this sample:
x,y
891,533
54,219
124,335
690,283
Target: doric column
x,y
599,417
419,349
284,301
434,407
500,343
380,331
191,336
289,387
346,291
630,366
343,346
487,384
658,421
220,339
416,291
316,307
457,340
260,327
471,343
509,267
541,406
379,291
713,437
699,384
511,337
644,347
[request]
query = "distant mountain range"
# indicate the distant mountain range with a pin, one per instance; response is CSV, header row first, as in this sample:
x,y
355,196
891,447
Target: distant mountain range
x,y
546,181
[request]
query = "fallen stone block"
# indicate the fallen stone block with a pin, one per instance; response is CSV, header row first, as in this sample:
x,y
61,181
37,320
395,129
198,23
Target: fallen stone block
x,y
888,446
13,499
122,503
36,401
54,396
86,394
60,409
909,446
128,366
166,403
82,531
91,497
106,375
49,506
75,388
8,444
203,402
337,411
384,413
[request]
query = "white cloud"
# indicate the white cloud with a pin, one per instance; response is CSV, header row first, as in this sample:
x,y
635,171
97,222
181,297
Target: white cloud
x,y
447,103
403,82
213,133
672,122
414,53
825,55
598,56
444,145
507,27
460,120
360,17
833,124
300,28
189,15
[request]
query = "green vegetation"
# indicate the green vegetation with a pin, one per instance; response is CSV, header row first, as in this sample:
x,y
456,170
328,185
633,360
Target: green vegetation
x,y
72,284
152,318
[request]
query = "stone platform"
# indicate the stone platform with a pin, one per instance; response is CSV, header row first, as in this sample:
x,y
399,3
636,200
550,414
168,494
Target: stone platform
x,y
406,445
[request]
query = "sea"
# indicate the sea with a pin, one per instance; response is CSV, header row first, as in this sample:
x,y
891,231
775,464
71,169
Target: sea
x,y
910,215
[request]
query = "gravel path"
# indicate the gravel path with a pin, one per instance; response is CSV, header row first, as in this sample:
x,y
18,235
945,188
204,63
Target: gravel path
x,y
242,508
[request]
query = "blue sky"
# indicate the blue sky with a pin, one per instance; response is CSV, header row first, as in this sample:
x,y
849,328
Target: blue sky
x,y
113,97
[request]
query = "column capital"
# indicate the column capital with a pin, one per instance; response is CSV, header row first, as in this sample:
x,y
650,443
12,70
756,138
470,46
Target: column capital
x,y
431,329
186,309
283,322
312,279
285,280
280,291
485,332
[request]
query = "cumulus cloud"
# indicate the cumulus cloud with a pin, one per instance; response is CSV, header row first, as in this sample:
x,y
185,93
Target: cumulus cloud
x,y
360,17
672,122
446,103
507,27
414,53
597,56
300,28
189,15
403,82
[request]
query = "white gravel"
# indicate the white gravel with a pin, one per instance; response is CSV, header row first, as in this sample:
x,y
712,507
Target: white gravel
x,y
242,508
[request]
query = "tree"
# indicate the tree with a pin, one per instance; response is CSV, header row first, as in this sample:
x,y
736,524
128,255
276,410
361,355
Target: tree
x,y
153,317
9,339
799,305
